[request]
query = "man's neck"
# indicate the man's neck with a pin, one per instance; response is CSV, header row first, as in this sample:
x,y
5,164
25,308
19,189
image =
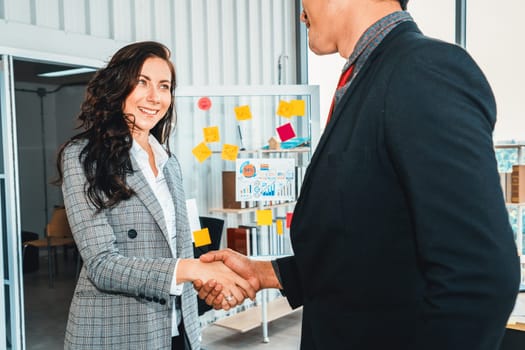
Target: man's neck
x,y
361,18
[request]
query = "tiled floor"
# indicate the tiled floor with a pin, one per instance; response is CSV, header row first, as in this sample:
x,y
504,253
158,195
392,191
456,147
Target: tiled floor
x,y
46,315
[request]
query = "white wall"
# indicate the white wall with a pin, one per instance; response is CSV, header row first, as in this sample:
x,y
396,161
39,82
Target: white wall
x,y
213,42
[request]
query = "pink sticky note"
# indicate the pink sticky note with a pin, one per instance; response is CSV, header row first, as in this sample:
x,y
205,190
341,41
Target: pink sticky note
x,y
289,216
285,132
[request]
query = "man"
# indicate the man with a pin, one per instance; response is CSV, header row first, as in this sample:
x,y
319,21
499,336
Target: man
x,y
401,236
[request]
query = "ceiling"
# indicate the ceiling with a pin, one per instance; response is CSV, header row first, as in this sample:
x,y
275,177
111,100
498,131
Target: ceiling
x,y
27,71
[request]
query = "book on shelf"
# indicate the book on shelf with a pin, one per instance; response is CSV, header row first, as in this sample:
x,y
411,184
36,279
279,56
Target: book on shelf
x,y
506,185
253,233
517,194
238,239
228,191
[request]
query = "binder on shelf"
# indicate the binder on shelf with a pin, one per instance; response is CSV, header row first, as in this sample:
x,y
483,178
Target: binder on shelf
x,y
228,191
518,184
238,239
253,232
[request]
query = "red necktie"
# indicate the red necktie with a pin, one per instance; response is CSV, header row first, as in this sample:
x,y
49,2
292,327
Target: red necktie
x,y
343,79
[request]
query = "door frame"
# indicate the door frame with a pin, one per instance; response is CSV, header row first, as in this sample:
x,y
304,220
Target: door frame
x,y
12,322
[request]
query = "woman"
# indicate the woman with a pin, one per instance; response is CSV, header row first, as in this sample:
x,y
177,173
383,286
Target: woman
x,y
125,203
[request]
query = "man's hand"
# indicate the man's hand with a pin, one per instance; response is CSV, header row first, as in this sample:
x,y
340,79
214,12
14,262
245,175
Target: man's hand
x,y
238,262
259,274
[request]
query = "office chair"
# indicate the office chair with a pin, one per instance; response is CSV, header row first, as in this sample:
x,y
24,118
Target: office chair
x,y
57,234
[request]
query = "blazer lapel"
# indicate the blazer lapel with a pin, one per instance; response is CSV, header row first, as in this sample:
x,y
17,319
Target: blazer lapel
x,y
170,171
138,182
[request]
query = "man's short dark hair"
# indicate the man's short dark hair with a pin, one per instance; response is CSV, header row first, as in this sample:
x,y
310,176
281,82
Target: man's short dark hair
x,y
403,4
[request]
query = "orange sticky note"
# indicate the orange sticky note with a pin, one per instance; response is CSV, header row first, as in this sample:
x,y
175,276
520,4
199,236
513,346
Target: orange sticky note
x,y
297,107
279,225
264,217
229,152
284,109
201,237
243,112
201,152
211,134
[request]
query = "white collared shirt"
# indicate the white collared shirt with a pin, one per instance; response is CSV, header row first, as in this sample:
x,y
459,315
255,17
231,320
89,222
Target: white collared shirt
x,y
161,191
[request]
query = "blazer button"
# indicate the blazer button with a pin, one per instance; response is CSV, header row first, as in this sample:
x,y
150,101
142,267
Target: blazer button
x,y
156,299
132,233
162,301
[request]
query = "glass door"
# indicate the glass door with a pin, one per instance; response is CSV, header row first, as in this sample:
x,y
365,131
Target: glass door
x,y
11,305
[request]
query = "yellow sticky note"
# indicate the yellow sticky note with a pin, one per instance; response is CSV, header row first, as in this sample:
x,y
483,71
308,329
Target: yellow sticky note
x,y
201,237
229,152
243,112
264,217
201,152
211,134
279,225
297,107
284,109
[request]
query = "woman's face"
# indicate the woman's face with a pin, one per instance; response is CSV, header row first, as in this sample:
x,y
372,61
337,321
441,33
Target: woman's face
x,y
151,97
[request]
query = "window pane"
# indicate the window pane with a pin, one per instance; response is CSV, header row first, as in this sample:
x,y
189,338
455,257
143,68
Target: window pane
x,y
494,32
436,19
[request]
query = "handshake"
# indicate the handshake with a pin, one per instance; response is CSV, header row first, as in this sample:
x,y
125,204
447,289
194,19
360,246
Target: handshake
x,y
225,278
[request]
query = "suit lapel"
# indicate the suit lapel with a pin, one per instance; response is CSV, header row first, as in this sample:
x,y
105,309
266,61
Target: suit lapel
x,y
334,119
338,111
143,191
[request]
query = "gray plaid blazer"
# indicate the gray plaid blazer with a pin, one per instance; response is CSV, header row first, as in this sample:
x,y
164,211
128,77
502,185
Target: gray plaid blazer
x,y
122,298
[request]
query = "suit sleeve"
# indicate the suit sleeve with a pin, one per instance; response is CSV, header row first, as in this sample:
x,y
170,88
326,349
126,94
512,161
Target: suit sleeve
x,y
106,267
439,118
289,278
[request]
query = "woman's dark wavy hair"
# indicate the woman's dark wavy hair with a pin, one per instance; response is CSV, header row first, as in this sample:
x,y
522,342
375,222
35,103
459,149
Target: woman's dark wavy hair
x,y
106,158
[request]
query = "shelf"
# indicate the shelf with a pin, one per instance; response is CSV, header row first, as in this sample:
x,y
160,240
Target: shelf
x,y
279,150
249,210
249,319
509,145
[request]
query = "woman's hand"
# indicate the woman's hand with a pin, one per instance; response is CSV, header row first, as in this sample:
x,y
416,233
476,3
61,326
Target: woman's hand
x,y
233,288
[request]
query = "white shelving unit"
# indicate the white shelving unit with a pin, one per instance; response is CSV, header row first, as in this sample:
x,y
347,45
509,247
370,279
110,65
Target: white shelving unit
x,y
509,154
251,136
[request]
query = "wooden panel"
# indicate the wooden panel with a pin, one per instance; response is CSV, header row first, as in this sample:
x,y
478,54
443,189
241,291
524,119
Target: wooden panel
x,y
518,326
252,318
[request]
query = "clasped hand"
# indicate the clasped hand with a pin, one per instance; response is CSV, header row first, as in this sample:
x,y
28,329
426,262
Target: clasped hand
x,y
235,281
